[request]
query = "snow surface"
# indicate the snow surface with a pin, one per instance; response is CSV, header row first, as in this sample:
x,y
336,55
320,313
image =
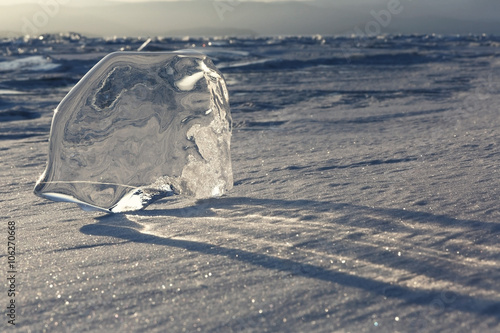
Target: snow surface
x,y
365,199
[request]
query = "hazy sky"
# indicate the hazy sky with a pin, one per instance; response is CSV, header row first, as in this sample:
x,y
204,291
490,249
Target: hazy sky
x,y
233,17
13,2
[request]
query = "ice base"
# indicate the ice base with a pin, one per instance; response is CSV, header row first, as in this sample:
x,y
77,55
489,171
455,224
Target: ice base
x,y
138,127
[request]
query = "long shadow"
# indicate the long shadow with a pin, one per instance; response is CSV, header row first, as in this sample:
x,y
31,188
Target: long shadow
x,y
120,227
362,217
322,206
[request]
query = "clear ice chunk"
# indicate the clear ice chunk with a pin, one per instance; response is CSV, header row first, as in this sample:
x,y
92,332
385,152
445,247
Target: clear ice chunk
x,y
140,126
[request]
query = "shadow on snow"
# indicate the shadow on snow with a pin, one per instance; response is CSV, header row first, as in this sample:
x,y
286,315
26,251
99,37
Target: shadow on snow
x,y
119,226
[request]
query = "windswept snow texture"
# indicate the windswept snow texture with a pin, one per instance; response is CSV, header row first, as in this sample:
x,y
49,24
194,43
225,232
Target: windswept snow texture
x,y
365,199
139,127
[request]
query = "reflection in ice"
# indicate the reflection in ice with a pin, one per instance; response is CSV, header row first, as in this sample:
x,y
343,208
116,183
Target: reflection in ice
x,y
138,127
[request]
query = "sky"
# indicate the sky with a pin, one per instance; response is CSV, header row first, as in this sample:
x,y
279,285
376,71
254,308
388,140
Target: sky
x,y
87,2
239,17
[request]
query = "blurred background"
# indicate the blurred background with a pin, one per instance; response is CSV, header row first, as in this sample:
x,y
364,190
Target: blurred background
x,y
136,18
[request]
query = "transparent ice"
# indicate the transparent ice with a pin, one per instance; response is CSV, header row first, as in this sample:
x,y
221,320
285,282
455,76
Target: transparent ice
x,y
138,127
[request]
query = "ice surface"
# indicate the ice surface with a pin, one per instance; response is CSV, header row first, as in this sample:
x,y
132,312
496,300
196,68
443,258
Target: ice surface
x,y
139,127
370,196
33,63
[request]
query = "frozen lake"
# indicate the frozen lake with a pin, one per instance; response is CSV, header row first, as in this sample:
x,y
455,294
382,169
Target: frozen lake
x,y
365,195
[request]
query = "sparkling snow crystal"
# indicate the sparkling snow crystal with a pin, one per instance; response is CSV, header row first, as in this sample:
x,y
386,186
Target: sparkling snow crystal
x,y
139,127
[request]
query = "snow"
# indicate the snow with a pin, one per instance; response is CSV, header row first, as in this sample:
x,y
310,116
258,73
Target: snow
x,y
34,63
365,199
